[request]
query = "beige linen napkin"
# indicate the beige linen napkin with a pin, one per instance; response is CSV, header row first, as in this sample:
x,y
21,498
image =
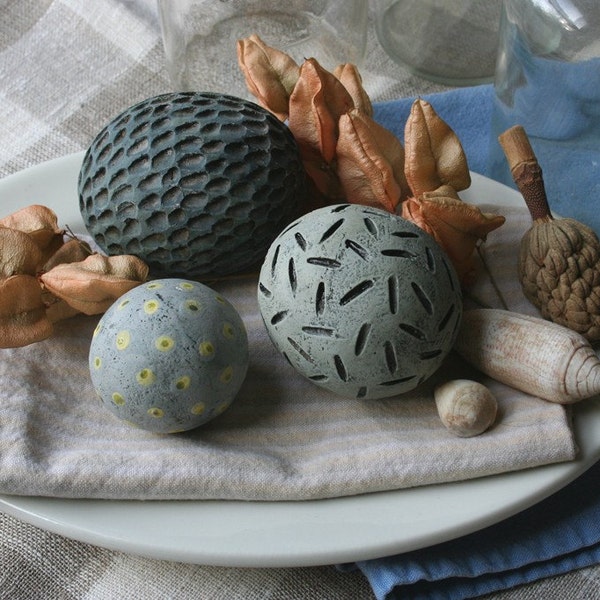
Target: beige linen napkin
x,y
282,439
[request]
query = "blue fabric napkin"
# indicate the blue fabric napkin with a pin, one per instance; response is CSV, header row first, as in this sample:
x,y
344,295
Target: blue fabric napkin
x,y
560,534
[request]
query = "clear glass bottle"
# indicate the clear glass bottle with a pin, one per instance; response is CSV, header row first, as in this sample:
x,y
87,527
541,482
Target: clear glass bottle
x,y
452,42
200,36
548,81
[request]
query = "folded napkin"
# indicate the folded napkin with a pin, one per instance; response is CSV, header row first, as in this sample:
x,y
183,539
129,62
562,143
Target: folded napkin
x,y
283,438
553,537
556,536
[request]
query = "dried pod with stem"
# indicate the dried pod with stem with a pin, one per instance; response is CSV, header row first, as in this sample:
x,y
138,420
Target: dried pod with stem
x,y
45,278
559,259
93,284
436,170
466,408
531,354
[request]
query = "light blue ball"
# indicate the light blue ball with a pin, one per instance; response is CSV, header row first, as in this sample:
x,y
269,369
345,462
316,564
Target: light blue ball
x,y
169,355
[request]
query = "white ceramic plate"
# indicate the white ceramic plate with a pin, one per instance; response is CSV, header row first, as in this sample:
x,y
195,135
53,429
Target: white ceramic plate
x,y
276,534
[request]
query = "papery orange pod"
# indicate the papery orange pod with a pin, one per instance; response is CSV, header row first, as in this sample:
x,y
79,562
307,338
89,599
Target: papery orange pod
x,y
325,183
270,74
56,308
75,250
19,254
434,154
350,78
39,222
456,225
370,162
92,285
316,104
23,317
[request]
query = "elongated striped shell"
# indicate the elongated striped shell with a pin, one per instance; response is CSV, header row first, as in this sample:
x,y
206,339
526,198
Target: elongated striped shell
x,y
538,357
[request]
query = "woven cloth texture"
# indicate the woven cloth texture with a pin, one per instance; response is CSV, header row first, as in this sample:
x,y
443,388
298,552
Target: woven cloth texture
x,y
66,68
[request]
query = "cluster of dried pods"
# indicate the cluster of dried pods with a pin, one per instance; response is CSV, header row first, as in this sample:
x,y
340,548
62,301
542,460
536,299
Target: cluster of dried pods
x,y
47,275
350,157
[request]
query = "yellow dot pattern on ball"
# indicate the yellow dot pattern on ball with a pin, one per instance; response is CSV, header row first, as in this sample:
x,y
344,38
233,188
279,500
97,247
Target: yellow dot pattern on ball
x,y
198,408
186,286
156,412
123,339
123,304
228,331
183,383
226,374
97,362
192,305
155,285
97,330
164,343
151,306
221,408
145,377
206,348
220,299
118,399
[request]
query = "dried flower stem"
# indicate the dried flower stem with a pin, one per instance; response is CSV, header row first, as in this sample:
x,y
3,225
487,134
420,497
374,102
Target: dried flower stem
x,y
526,171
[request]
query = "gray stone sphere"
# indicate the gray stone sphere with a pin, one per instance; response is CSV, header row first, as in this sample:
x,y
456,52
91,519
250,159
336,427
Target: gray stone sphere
x,y
169,355
196,184
360,301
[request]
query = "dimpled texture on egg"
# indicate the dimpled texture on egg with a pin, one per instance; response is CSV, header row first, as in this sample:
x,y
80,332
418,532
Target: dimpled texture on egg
x,y
169,355
194,183
360,301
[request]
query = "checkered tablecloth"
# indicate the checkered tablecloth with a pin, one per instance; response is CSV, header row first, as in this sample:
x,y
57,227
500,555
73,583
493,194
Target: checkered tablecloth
x,y
66,68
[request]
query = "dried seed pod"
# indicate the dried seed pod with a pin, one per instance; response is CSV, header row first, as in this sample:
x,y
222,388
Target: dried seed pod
x,y
350,78
456,225
19,254
41,224
434,154
536,356
466,408
559,260
92,285
23,318
270,74
370,162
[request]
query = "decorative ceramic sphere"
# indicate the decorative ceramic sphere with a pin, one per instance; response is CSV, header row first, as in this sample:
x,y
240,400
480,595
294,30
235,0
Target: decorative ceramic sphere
x,y
194,183
169,355
360,301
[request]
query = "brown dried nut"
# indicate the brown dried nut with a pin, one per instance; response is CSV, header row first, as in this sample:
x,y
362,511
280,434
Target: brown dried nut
x,y
92,285
269,73
19,254
559,260
370,161
350,78
41,223
23,317
466,408
456,225
434,154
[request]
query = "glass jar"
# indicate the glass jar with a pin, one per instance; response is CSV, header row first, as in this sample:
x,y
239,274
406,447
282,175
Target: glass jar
x,y
452,42
548,81
200,36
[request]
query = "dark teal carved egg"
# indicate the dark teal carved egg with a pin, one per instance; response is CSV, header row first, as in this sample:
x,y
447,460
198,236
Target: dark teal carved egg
x,y
194,183
169,355
360,301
